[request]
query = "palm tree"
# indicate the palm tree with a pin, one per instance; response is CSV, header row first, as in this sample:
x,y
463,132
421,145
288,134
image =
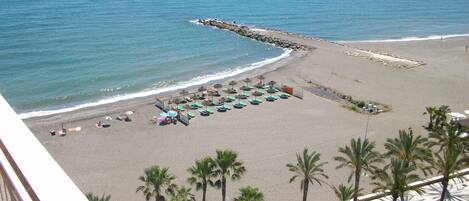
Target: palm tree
x,y
447,137
431,113
201,174
227,166
410,149
92,197
345,193
156,180
309,169
360,156
437,117
440,116
250,194
448,162
182,194
395,179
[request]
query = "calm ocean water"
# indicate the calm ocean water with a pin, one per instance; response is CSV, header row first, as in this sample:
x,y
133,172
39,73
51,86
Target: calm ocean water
x,y
61,55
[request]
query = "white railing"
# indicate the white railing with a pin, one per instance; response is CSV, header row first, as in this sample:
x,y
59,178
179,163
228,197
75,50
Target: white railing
x,y
417,184
28,171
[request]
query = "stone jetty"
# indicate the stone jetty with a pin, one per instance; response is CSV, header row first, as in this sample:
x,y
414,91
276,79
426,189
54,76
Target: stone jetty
x,y
250,33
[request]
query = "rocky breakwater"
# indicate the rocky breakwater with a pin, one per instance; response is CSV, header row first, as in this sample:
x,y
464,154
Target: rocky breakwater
x,y
248,32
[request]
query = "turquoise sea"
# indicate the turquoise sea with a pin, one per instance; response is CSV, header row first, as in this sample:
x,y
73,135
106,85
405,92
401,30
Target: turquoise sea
x,y
61,55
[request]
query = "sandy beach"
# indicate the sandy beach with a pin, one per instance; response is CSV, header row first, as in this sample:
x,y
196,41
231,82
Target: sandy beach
x,y
268,136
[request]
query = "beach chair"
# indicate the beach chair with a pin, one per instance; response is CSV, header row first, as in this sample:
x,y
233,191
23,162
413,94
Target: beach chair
x,y
272,90
230,99
190,115
284,95
180,108
223,108
271,98
258,93
255,101
239,105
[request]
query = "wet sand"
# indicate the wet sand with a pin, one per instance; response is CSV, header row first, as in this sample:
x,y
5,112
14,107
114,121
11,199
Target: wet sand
x,y
269,135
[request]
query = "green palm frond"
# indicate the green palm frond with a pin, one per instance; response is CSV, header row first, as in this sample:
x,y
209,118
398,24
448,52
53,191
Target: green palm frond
x,y
250,194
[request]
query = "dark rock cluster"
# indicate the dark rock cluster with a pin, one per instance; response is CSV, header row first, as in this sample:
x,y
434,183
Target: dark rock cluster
x,y
247,32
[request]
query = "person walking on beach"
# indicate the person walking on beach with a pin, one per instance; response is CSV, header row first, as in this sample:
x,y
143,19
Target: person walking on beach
x,y
467,47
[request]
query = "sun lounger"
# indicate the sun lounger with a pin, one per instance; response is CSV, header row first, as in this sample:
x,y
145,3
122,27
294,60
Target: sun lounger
x,y
239,105
255,101
258,93
272,90
180,108
230,99
190,115
271,98
284,95
195,106
223,108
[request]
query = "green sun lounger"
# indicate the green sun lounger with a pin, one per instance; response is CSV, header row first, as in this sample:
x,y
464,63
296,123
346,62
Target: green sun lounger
x,y
271,98
195,106
272,90
239,105
255,101
258,93
180,108
284,95
206,112
223,108
190,115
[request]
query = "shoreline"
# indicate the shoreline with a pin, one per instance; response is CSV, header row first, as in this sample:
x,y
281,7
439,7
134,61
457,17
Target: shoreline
x,y
246,69
128,104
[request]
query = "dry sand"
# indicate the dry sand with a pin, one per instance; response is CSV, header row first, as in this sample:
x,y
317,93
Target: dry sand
x,y
267,136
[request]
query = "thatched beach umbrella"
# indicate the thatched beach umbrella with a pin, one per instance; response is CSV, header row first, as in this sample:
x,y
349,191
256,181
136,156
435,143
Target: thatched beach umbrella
x,y
217,86
261,79
232,84
202,89
183,92
247,81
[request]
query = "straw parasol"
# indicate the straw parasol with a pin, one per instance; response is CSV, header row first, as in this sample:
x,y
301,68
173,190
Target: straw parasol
x,y
247,81
261,78
217,86
202,89
183,92
232,83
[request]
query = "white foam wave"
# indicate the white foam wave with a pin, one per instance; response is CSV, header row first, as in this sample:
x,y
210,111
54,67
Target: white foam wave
x,y
181,85
432,37
195,22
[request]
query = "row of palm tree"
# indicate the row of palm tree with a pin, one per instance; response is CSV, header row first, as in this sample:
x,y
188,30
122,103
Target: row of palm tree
x,y
407,155
207,172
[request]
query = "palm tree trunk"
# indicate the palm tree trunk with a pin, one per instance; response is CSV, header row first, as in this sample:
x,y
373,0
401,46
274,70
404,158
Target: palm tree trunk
x,y
402,196
394,197
204,190
357,185
223,188
444,189
305,189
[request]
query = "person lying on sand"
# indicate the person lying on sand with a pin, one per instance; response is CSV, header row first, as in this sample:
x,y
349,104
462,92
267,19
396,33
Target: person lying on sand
x,y
99,124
